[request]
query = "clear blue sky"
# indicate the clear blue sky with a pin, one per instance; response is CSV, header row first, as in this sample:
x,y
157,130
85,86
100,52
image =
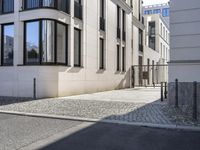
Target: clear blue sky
x,y
152,2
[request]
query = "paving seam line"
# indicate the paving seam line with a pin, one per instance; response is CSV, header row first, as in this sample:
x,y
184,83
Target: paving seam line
x,y
140,124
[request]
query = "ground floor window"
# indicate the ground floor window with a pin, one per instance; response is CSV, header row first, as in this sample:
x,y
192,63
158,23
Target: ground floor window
x,y
118,58
45,42
77,47
123,59
7,44
101,54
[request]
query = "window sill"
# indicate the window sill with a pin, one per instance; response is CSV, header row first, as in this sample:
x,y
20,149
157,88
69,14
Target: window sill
x,y
53,65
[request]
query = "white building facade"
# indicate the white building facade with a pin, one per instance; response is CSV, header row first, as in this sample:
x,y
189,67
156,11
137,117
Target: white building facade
x,y
68,46
184,62
156,49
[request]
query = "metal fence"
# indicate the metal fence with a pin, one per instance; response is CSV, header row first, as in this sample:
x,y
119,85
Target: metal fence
x,y
149,75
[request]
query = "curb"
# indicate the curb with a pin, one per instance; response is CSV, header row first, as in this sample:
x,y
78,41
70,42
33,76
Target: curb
x,y
139,124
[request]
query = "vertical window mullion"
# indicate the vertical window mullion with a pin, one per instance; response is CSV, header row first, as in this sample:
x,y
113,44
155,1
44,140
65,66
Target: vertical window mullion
x,y
66,57
55,42
40,41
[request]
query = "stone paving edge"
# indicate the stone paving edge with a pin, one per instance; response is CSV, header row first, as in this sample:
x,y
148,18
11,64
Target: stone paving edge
x,y
140,124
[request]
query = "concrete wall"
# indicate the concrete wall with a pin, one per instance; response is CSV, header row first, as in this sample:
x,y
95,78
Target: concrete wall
x,y
53,81
184,54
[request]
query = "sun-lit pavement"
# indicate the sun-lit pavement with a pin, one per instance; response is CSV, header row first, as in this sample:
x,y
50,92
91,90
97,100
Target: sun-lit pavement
x,y
140,105
31,133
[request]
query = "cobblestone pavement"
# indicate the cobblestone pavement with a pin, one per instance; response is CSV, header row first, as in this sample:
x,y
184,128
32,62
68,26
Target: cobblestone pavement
x,y
138,105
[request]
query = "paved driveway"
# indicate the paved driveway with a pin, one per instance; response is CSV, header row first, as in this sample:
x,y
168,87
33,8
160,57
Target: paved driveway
x,y
136,95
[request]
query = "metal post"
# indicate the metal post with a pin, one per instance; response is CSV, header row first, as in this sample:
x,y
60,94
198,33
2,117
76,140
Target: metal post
x,y
34,88
161,92
165,93
195,100
176,93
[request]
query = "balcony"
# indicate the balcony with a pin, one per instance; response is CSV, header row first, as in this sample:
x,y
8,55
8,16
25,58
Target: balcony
x,y
78,10
6,6
102,24
118,33
62,5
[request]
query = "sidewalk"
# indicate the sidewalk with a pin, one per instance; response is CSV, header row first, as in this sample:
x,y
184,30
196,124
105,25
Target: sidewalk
x,y
139,106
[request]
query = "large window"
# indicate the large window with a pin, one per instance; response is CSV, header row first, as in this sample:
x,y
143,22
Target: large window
x,y
141,40
45,42
62,5
77,47
101,54
6,6
152,42
156,11
7,45
118,22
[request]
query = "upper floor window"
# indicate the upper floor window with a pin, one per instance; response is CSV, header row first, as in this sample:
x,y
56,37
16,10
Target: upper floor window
x,y
156,11
102,15
77,48
165,12
62,5
147,12
77,9
7,6
7,45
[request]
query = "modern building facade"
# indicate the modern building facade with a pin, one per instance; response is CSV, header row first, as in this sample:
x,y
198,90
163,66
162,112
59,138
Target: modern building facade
x,y
68,46
162,9
184,62
155,51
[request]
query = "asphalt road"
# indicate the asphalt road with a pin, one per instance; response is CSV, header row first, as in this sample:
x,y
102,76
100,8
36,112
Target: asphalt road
x,y
19,132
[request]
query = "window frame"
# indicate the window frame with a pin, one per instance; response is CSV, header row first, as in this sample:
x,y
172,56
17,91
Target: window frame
x,y
41,6
2,45
40,43
79,48
2,8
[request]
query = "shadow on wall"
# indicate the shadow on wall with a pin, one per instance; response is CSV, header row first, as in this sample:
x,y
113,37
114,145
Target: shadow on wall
x,y
106,136
125,82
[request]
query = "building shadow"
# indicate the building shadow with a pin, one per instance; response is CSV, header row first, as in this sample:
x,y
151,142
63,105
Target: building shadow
x,y
114,136
5,100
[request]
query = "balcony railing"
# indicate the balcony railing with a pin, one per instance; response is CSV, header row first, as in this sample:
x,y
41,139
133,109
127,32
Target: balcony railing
x,y
77,10
102,24
62,5
6,6
118,33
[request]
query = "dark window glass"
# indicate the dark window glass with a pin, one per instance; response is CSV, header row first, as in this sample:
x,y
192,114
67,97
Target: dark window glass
x,y
101,55
8,44
48,3
102,8
152,42
123,59
32,42
61,43
7,6
32,4
147,12
118,58
77,9
48,41
63,5
77,47
140,40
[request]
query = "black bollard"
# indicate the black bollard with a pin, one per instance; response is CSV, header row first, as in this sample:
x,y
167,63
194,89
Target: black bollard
x,y
161,92
176,93
195,116
34,88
